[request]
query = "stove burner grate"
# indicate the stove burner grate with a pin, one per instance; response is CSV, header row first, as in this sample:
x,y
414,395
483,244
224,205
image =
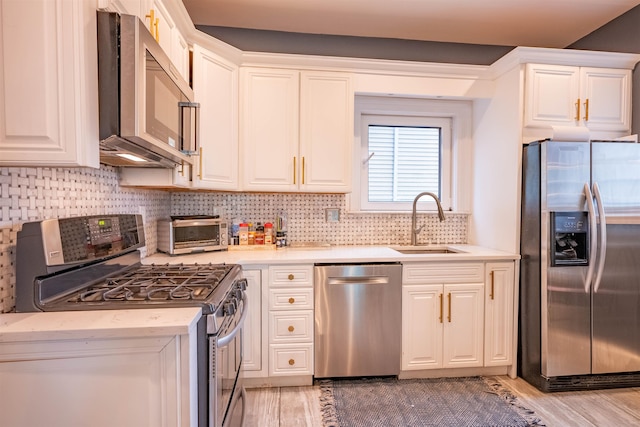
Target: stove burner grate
x,y
154,282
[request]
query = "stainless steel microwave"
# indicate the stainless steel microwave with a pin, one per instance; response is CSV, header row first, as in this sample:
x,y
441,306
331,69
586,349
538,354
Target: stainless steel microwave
x,y
191,234
146,109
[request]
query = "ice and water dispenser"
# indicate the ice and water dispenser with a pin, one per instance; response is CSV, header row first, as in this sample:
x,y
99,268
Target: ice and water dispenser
x,y
569,238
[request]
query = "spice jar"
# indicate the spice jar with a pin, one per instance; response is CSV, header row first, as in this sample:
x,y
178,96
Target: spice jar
x,y
243,233
252,234
259,238
268,234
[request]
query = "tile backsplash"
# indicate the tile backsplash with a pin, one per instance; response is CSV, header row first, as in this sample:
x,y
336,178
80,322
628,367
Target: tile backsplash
x,y
31,194
307,223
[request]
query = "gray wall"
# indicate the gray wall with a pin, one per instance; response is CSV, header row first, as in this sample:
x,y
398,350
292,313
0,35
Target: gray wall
x,y
620,35
356,47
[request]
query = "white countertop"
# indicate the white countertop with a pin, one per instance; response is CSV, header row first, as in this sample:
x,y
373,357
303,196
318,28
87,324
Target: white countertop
x,y
97,324
331,254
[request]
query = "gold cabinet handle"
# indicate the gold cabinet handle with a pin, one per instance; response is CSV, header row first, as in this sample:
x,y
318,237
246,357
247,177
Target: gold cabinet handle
x,y
200,164
303,171
290,277
441,307
578,110
182,168
291,328
292,362
152,26
294,170
292,300
449,316
492,285
586,110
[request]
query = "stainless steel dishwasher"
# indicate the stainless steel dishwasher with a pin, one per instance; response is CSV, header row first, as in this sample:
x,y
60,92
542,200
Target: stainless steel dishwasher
x,y
358,322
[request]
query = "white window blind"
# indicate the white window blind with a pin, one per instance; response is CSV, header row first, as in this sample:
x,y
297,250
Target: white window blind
x,y
406,155
405,161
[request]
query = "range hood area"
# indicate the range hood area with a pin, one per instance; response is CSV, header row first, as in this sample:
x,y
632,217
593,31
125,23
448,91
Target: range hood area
x,y
146,109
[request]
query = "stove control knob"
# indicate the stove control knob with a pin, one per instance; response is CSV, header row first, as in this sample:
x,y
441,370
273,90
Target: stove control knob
x,y
230,308
242,284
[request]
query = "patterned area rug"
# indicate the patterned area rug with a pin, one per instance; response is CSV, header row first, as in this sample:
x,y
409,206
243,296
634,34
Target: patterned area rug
x,y
441,402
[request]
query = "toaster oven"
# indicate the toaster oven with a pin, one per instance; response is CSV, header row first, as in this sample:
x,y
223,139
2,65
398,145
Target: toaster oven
x,y
190,234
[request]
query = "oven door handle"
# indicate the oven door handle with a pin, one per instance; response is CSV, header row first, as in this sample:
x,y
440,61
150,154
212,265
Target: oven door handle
x,y
225,340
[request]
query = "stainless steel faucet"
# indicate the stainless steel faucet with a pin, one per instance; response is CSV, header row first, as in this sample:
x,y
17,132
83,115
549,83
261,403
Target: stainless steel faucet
x,y
414,230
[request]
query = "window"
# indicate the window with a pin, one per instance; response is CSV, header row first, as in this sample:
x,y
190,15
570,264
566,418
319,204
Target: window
x,y
405,146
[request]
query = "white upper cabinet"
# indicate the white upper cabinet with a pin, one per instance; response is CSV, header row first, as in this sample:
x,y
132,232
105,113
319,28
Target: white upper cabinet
x,y
49,93
215,84
158,21
296,130
168,36
326,131
269,129
599,98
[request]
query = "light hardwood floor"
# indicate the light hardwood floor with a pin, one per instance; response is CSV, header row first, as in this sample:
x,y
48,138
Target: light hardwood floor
x,y
299,406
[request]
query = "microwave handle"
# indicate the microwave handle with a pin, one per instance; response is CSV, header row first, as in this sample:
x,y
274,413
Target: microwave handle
x,y
194,125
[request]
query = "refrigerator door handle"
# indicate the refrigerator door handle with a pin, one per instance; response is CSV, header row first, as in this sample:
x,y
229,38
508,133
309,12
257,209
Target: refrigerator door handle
x,y
603,237
593,237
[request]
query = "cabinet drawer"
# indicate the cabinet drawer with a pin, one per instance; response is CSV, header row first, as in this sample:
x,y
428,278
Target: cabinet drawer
x,y
291,299
291,275
291,359
291,326
433,272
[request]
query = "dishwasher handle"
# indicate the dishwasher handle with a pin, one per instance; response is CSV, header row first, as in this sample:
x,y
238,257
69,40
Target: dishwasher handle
x,y
358,280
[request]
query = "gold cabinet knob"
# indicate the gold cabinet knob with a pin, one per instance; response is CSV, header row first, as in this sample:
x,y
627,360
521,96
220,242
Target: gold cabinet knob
x,y
292,362
292,300
290,277
291,328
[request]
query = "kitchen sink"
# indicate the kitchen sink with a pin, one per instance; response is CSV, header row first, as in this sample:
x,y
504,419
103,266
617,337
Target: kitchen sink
x,y
425,250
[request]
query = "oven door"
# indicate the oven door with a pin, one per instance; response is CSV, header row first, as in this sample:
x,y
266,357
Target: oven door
x,y
226,385
195,235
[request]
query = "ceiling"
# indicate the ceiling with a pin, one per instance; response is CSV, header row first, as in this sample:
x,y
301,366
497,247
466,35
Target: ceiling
x,y
536,23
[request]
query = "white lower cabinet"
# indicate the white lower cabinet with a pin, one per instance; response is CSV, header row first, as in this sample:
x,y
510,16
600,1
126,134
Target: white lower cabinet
x,y
442,326
134,381
499,314
252,339
291,320
442,315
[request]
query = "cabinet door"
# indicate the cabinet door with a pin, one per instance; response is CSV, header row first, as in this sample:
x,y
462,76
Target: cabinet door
x,y
499,289
606,99
269,129
463,325
48,83
252,339
326,131
422,326
215,84
551,96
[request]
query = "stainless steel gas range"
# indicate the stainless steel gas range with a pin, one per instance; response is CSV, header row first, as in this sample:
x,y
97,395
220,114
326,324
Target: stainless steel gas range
x,y
93,263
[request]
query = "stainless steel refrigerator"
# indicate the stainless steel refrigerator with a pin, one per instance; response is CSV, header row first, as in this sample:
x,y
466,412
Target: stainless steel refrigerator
x,y
579,322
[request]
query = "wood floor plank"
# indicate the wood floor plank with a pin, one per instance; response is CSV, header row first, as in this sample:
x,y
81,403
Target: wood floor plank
x,y
300,406
263,407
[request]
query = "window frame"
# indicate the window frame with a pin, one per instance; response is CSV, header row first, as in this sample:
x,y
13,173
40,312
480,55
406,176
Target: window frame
x,y
459,111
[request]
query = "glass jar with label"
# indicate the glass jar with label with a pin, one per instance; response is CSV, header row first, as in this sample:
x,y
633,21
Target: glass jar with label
x,y
259,238
243,233
268,234
252,234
